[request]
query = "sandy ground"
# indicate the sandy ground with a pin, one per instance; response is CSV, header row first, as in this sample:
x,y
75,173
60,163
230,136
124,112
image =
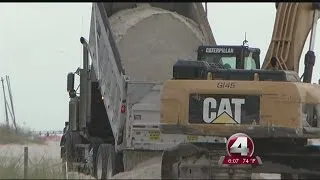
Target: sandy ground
x,y
149,169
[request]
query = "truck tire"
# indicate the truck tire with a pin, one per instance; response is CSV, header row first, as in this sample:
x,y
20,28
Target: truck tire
x,y
119,163
68,152
64,169
105,162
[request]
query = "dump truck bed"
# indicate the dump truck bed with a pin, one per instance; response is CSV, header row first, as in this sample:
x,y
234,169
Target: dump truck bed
x,y
120,89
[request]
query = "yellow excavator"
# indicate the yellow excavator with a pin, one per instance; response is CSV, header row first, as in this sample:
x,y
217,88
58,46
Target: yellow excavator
x,y
278,111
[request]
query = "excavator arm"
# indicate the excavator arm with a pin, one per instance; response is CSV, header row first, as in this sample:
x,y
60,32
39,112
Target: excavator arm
x,y
292,25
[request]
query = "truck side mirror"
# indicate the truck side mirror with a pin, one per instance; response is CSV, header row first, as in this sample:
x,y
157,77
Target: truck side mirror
x,y
70,82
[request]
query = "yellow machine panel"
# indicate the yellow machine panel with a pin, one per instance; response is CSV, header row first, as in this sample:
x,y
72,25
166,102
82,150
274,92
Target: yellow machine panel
x,y
207,108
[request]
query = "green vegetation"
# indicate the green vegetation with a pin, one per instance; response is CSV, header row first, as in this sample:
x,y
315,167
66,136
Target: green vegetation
x,y
45,168
12,168
8,135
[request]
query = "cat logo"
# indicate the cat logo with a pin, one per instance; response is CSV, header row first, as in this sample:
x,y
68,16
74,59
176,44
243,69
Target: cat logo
x,y
227,111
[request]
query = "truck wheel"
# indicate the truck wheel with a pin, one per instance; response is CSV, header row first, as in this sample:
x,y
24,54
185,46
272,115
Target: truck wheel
x,y
119,162
64,169
105,162
68,155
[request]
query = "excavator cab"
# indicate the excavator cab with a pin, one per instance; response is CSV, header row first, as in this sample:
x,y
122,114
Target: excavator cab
x,y
230,57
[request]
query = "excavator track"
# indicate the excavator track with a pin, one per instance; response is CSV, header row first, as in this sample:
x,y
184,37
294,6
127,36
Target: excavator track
x,y
194,161
190,161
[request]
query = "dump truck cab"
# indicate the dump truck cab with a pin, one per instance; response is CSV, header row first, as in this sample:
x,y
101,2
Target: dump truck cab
x,y
230,57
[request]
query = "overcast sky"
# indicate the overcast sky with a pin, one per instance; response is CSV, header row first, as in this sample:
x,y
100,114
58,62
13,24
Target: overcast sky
x,y
40,45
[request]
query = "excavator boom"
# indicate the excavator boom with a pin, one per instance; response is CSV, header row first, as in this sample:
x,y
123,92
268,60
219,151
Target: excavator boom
x,y
292,25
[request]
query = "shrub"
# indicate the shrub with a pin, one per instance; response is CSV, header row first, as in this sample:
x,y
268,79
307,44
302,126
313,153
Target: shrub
x,y
8,135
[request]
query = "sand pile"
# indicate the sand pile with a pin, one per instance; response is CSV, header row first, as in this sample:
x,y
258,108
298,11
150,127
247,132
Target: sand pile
x,y
150,41
149,169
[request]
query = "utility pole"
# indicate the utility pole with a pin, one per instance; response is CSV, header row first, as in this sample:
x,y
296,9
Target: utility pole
x,y
11,102
5,103
206,9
